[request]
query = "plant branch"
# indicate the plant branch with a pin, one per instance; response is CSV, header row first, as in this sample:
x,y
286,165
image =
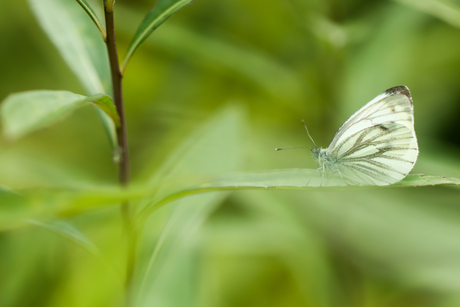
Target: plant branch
x,y
117,96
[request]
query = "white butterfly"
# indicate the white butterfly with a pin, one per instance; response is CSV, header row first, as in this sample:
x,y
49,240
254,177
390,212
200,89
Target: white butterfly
x,y
376,145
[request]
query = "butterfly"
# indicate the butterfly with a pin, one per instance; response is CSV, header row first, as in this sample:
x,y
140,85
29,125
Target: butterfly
x,y
375,146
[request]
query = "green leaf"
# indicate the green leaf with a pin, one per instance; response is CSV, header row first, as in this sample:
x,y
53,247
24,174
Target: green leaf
x,y
11,207
290,179
66,202
105,103
82,48
298,178
75,37
214,148
76,236
211,52
25,112
89,10
160,12
68,231
447,11
206,152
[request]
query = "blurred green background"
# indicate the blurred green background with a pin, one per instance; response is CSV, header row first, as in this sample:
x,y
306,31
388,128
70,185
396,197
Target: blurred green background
x,y
279,62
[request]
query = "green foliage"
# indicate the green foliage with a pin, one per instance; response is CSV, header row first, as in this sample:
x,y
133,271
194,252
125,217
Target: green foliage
x,y
22,113
208,98
89,10
160,12
81,47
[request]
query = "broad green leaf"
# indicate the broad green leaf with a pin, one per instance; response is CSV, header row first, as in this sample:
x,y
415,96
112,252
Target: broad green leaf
x,y
82,48
89,10
26,112
160,12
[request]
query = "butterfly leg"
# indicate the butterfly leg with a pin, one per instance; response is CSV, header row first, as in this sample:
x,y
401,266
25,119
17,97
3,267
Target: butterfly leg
x,y
322,176
308,182
342,177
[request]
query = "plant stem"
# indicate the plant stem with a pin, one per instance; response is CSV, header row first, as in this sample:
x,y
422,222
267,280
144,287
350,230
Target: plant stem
x,y
118,97
123,164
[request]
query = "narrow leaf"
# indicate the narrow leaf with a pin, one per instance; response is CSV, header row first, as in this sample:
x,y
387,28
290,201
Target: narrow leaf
x,y
299,178
105,103
65,202
214,148
25,112
252,64
88,9
160,12
290,179
67,231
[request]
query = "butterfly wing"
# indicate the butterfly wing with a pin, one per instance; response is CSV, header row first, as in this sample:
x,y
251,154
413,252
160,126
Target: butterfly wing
x,y
377,145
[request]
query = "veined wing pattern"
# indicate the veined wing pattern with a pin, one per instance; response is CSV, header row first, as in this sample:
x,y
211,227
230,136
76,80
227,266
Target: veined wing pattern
x,y
377,145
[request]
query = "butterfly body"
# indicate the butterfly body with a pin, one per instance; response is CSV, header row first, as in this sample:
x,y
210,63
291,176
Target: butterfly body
x,y
328,162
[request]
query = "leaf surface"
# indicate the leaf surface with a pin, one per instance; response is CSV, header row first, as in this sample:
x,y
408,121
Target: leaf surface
x,y
89,10
67,202
160,12
26,112
81,47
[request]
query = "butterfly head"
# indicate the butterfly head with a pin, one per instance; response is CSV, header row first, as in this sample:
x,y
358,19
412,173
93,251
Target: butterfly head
x,y
315,151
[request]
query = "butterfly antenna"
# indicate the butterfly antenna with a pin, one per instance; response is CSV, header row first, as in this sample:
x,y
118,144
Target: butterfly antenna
x,y
303,122
292,148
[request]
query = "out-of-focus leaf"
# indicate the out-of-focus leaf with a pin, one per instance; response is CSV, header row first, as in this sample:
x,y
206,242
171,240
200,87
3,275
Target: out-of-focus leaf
x,y
390,69
172,263
207,152
253,64
160,12
75,235
35,204
213,149
26,112
409,235
68,231
10,206
448,11
77,40
89,10
80,45
273,228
